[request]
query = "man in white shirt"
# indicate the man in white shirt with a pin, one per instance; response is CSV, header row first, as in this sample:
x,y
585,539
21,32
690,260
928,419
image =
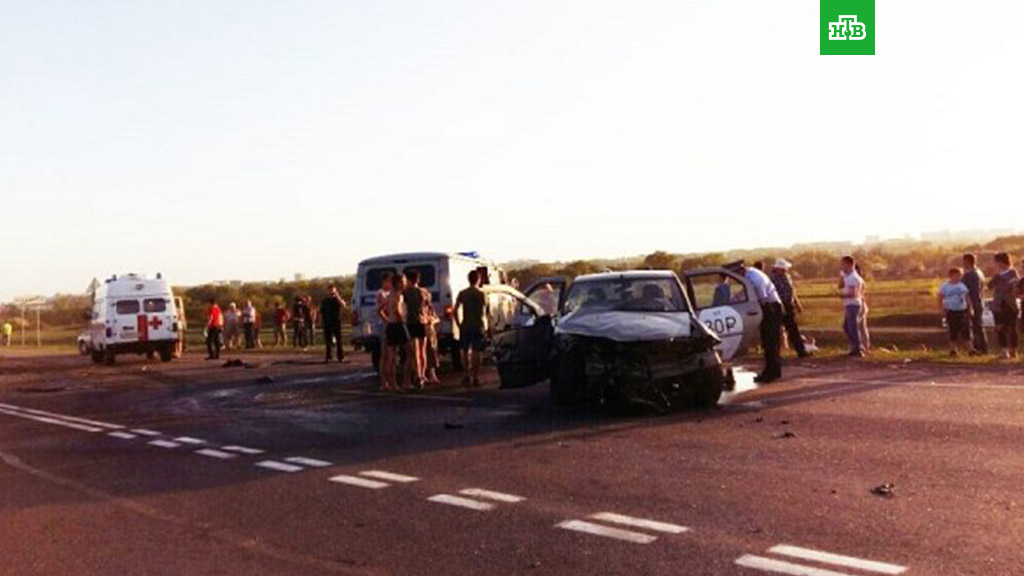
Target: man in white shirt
x,y
851,289
771,323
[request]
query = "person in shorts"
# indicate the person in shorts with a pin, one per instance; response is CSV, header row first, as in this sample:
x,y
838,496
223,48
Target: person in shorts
x,y
1005,309
417,301
396,337
472,324
955,303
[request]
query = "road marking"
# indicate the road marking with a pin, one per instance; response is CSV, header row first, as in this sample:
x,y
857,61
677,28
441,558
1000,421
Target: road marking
x,y
54,421
837,560
279,466
72,418
164,444
144,432
490,495
122,435
361,482
242,450
461,502
216,454
598,530
389,476
311,462
640,523
779,567
189,440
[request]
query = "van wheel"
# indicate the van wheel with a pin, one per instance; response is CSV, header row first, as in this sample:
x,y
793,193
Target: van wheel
x,y
97,357
167,353
708,388
83,348
109,358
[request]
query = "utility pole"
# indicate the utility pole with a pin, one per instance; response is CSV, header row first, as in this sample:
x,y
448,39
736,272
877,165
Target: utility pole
x,y
23,322
39,333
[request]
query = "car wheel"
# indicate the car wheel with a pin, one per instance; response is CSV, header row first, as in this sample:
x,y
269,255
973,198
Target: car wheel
x,y
97,357
708,389
566,380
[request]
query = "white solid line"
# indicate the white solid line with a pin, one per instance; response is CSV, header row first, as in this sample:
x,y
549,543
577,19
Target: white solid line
x,y
837,560
490,495
144,432
279,466
462,502
189,440
769,565
216,454
164,444
311,462
389,476
46,420
122,435
242,450
598,530
640,523
72,418
361,482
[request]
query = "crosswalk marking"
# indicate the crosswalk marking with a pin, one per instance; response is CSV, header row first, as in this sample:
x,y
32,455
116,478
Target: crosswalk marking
x,y
491,495
607,532
360,482
461,502
216,454
780,567
389,476
639,523
837,559
310,462
279,466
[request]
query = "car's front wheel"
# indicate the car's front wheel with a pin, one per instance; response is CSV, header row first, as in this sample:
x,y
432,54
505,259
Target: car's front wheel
x,y
708,387
567,380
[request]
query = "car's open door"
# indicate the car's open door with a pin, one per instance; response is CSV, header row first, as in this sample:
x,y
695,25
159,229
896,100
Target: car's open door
x,y
724,301
522,351
548,294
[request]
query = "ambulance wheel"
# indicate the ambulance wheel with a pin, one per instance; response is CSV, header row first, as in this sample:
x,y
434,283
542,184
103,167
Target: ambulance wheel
x,y
167,353
109,358
97,357
83,348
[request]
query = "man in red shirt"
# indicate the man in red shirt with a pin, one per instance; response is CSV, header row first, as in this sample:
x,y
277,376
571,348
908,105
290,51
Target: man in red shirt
x,y
214,325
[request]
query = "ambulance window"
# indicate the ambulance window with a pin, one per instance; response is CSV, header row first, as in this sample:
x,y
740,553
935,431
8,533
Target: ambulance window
x,y
152,305
127,306
375,277
427,274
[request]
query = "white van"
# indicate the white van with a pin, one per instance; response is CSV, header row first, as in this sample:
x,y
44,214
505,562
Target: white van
x,y
443,274
132,314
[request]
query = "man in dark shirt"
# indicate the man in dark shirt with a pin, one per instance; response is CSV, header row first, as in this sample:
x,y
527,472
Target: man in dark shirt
x,y
330,314
790,305
974,279
472,326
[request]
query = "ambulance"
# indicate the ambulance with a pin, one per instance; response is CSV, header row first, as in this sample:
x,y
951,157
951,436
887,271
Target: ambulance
x,y
132,314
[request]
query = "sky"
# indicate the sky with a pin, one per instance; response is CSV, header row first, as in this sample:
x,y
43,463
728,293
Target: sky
x,y
249,139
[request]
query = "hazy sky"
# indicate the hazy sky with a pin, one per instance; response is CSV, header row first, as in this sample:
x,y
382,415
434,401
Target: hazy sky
x,y
253,139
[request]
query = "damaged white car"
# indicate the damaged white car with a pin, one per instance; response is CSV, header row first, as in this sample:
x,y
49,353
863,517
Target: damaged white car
x,y
628,337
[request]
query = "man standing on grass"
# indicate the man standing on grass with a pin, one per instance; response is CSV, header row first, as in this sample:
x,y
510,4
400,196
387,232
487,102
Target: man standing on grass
x,y
1005,308
330,314
851,287
472,302
954,301
974,279
214,325
790,305
771,323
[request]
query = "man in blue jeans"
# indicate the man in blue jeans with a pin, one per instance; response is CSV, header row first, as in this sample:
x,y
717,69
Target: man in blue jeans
x,y
851,287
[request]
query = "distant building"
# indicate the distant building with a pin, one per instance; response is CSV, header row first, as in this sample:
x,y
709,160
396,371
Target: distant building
x,y
299,277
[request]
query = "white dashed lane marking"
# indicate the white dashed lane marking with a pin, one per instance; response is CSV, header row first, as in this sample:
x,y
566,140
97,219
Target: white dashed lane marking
x,y
389,476
144,432
613,518
279,466
310,462
360,482
837,559
164,444
491,495
242,450
216,454
607,532
189,440
461,502
122,435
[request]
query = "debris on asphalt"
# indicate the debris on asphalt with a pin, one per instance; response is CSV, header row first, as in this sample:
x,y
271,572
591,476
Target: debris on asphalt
x,y
786,434
759,419
907,360
453,426
887,490
784,422
236,363
266,380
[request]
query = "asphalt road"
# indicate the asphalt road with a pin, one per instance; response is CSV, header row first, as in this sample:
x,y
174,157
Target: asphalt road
x,y
300,468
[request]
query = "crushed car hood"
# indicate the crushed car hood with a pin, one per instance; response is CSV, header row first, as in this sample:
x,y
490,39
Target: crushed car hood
x,y
626,326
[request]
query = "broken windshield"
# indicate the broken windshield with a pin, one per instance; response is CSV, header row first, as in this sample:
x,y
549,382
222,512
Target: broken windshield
x,y
627,294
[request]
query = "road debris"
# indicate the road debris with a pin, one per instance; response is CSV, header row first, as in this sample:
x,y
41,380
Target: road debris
x,y
453,426
887,490
786,434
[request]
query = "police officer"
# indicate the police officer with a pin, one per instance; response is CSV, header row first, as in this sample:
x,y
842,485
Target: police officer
x,y
771,322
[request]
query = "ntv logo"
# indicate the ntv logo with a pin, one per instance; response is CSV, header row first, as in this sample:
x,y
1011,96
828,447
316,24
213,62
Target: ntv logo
x,y
847,29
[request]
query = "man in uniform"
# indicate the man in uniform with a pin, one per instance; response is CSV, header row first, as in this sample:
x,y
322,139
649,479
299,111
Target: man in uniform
x,y
771,322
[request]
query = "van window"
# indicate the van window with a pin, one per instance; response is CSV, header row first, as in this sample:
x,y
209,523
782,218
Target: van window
x,y
127,306
152,305
428,275
375,277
